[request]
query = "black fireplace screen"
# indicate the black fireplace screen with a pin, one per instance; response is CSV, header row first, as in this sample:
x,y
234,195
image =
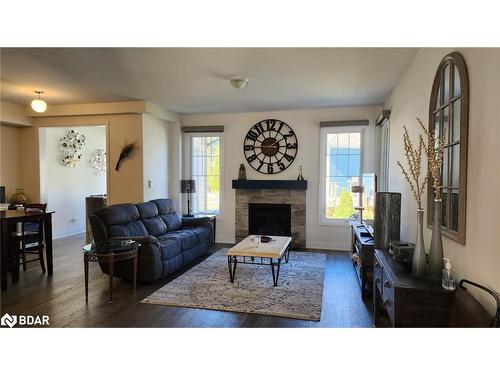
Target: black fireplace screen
x,y
270,219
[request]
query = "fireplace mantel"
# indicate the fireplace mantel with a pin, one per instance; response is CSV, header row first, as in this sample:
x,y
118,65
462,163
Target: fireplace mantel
x,y
270,184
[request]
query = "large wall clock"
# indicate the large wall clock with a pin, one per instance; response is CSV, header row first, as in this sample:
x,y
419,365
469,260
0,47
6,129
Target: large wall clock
x,y
270,146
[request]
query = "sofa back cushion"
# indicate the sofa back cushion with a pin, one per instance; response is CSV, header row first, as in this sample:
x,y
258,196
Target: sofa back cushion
x,y
166,210
154,224
122,220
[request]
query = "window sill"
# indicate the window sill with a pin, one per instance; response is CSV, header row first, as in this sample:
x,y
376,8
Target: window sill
x,y
334,223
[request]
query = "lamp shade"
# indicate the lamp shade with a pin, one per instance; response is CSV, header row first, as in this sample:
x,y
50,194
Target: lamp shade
x,y
188,186
39,105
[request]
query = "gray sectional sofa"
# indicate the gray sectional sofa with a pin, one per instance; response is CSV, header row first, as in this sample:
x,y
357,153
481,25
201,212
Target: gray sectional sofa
x,y
168,241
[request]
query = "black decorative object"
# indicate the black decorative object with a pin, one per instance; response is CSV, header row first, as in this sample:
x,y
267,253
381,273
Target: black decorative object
x,y
2,194
265,239
126,152
300,177
188,187
387,219
270,146
270,184
242,172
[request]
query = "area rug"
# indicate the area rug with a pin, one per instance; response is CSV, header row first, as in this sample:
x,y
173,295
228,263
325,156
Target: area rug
x,y
298,295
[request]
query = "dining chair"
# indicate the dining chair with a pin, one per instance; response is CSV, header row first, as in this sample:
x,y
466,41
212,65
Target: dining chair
x,y
29,240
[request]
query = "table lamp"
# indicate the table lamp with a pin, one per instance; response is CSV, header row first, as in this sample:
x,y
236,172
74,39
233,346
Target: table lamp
x,y
188,187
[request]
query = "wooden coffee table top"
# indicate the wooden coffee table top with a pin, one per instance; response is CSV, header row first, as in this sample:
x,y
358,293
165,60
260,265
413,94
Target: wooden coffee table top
x,y
273,249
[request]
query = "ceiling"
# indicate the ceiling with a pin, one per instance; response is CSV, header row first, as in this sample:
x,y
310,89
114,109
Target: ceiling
x,y
196,80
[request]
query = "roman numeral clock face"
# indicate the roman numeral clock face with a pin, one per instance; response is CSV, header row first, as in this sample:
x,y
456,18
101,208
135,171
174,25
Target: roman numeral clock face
x,y
270,146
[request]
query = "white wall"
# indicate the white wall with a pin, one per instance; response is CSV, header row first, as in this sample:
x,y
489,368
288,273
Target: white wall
x,y
155,157
63,188
175,163
305,123
479,259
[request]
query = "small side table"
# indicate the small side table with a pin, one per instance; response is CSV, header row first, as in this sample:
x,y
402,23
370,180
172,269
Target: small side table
x,y
109,252
211,219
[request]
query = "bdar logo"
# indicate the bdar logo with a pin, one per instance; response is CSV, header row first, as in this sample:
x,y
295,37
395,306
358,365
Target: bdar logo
x,y
8,320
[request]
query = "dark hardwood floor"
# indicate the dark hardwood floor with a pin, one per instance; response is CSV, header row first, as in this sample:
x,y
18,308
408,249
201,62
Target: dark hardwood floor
x,y
62,297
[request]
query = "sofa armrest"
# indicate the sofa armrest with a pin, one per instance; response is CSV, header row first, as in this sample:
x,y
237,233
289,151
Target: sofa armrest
x,y
143,240
194,221
150,265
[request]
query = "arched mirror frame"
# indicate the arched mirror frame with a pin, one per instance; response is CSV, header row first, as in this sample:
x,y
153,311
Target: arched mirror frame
x,y
442,108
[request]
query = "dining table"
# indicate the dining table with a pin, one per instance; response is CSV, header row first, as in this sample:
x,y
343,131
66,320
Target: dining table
x,y
8,218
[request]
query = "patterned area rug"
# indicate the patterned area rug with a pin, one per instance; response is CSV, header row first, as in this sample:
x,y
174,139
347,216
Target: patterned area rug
x,y
298,295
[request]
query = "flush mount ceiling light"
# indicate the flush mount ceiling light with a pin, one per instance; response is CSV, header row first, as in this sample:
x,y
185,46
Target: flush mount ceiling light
x,y
238,82
39,105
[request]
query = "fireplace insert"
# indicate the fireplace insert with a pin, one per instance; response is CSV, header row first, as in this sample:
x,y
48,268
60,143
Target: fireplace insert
x,y
271,219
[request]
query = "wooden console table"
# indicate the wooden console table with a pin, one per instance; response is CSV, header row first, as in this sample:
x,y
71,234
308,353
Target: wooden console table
x,y
400,300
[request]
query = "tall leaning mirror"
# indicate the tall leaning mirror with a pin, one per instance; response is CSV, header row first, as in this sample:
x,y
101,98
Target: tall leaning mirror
x,y
449,113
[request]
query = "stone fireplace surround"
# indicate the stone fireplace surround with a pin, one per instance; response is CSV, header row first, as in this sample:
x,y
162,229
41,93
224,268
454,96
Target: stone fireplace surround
x,y
296,198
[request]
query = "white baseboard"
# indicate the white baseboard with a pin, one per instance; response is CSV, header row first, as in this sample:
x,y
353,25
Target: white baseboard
x,y
67,235
225,240
323,245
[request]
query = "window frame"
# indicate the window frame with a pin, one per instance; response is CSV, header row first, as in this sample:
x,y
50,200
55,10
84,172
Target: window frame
x,y
189,160
324,131
453,59
385,155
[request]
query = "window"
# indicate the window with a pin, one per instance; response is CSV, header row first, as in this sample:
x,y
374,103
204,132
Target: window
x,y
341,168
205,152
449,113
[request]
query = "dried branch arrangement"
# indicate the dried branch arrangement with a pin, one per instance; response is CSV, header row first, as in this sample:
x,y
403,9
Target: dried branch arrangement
x,y
126,152
414,160
435,152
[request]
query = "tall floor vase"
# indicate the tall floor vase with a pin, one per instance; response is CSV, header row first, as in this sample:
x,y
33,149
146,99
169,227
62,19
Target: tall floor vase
x,y
419,262
436,250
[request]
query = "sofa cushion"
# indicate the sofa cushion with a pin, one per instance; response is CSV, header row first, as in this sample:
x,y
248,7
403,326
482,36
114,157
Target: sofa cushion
x,y
166,210
188,239
190,255
171,265
169,247
122,220
118,214
173,221
147,210
202,233
149,216
165,206
133,229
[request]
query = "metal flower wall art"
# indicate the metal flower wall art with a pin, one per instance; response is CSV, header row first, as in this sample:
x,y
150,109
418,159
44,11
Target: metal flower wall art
x,y
98,161
71,145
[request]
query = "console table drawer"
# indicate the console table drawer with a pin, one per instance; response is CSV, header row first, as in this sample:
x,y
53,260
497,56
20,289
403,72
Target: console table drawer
x,y
387,295
378,276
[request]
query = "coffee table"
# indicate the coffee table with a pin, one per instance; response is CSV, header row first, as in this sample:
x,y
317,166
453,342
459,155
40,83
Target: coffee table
x,y
270,254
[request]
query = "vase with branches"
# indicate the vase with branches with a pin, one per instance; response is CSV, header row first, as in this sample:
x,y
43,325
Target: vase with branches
x,y
417,183
434,150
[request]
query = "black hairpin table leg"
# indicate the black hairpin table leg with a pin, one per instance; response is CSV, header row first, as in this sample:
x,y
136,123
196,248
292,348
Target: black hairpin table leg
x,y
275,268
231,263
